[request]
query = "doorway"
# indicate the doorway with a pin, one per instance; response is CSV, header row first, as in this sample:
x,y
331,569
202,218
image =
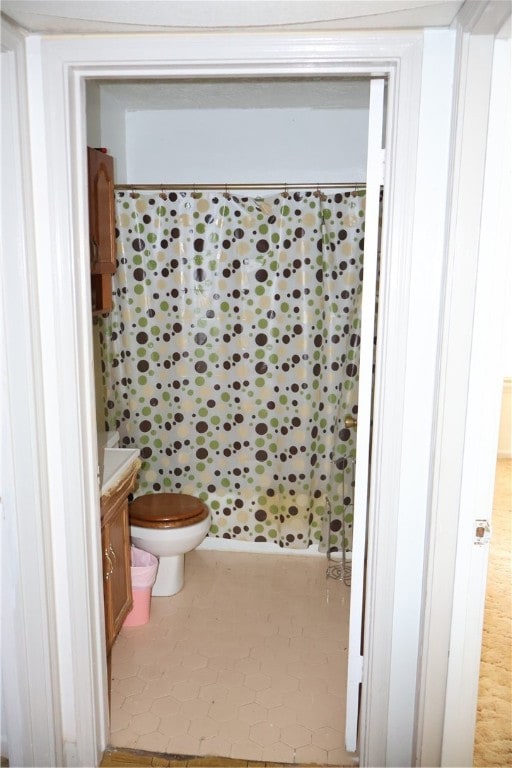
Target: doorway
x,y
66,323
335,91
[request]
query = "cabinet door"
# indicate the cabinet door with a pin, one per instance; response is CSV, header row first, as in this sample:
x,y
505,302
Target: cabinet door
x,y
115,539
108,570
101,212
121,582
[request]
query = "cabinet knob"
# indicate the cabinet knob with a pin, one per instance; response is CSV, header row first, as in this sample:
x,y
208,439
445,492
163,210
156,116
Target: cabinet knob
x,y
350,422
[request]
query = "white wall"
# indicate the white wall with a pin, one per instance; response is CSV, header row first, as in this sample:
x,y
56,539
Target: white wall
x,y
113,133
507,332
106,126
93,113
238,145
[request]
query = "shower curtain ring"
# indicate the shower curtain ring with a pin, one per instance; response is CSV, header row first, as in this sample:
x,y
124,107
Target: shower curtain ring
x,y
319,194
163,195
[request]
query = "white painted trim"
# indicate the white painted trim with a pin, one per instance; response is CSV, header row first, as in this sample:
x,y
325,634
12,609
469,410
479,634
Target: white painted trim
x,y
462,461
31,727
492,265
374,181
65,323
70,435
222,55
390,382
459,281
432,168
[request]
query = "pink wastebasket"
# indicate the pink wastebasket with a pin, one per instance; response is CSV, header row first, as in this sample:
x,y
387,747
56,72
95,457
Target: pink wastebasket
x,y
144,568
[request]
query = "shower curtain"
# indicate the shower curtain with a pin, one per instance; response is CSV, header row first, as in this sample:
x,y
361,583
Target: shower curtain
x,y
231,356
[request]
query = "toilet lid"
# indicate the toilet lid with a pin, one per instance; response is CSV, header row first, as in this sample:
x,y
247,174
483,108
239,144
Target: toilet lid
x,y
167,510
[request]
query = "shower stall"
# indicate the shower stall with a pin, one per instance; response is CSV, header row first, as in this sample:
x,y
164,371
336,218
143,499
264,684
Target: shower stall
x,y
231,357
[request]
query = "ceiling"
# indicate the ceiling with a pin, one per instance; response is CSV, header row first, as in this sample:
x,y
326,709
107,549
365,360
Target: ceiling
x,y
107,16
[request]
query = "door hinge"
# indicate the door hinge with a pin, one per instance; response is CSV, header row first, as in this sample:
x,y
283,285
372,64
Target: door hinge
x,y
482,532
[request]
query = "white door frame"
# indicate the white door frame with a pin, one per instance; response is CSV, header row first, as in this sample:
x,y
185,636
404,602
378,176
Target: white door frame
x,y
470,378
400,484
374,180
60,68
478,290
484,400
30,716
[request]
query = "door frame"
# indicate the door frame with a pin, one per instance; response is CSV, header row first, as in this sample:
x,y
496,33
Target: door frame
x,y
400,484
374,191
62,67
29,659
471,373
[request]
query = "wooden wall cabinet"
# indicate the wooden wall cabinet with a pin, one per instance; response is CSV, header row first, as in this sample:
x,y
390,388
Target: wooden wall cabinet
x,y
102,228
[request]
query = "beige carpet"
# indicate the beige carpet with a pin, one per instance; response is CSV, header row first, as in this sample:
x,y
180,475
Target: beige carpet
x,y
493,738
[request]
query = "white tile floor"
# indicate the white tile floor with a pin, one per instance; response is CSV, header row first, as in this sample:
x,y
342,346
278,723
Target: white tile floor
x,y
248,661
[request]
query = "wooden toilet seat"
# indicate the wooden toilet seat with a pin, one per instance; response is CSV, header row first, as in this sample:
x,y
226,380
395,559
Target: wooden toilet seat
x,y
167,510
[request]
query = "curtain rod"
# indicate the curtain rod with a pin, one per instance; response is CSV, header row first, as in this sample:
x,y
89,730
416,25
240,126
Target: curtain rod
x,y
238,186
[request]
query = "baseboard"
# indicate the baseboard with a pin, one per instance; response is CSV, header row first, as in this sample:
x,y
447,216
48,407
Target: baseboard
x,y
256,547
265,548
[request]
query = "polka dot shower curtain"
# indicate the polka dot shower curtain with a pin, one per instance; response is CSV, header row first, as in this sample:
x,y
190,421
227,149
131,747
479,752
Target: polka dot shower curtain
x,y
231,356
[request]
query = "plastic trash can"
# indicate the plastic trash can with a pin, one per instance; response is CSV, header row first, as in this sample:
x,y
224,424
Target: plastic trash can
x,y
144,566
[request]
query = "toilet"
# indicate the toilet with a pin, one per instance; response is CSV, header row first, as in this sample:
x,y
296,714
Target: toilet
x,y
168,525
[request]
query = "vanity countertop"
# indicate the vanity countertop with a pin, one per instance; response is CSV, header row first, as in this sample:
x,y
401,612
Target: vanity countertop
x,y
116,464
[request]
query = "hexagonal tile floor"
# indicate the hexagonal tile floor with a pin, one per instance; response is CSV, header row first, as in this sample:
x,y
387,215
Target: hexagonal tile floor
x,y
248,661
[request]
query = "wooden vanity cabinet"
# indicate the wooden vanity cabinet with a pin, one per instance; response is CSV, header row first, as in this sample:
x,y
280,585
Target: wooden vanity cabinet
x,y
102,228
116,572
115,541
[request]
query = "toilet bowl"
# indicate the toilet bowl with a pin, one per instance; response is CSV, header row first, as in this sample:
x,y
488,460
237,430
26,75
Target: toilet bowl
x,y
168,525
